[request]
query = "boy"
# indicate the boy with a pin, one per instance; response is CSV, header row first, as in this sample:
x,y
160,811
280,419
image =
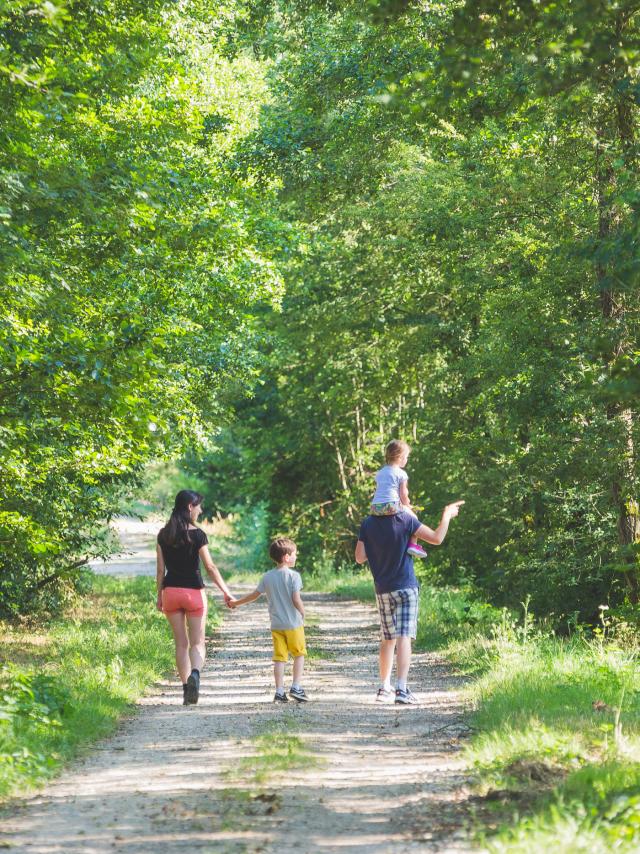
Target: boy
x,y
282,587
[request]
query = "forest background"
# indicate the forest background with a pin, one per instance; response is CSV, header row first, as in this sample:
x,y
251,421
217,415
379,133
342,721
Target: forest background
x,y
264,238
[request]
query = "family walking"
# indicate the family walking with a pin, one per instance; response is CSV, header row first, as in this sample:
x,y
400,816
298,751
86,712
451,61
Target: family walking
x,y
388,540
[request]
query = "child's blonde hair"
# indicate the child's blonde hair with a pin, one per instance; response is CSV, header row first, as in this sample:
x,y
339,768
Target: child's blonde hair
x,y
394,450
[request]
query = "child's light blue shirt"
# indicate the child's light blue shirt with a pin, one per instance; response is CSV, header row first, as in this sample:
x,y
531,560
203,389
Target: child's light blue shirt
x,y
279,585
388,480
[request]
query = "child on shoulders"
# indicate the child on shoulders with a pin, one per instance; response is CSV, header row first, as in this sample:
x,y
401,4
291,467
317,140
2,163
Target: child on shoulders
x,y
392,491
282,587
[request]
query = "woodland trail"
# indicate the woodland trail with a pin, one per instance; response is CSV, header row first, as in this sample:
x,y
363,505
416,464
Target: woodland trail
x,y
237,774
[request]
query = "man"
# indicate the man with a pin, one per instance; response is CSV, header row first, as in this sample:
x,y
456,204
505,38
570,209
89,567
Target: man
x,y
383,541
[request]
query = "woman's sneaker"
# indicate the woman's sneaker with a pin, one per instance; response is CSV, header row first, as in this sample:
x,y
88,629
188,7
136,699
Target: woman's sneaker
x,y
416,550
192,691
406,697
384,695
298,694
280,698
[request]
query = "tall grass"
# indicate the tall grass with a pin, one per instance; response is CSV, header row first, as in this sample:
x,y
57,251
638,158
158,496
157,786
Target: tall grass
x,y
555,744
66,684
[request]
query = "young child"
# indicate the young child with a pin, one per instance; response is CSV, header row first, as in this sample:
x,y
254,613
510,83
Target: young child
x,y
392,492
282,587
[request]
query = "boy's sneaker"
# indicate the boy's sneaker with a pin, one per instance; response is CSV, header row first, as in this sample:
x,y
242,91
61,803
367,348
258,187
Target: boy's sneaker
x,y
192,691
406,697
298,694
280,698
384,695
416,550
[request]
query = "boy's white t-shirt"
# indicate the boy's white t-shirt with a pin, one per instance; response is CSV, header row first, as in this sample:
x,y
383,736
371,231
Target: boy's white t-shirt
x,y
279,586
388,480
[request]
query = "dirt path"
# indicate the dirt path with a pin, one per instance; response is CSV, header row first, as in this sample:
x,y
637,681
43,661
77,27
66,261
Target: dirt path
x,y
359,776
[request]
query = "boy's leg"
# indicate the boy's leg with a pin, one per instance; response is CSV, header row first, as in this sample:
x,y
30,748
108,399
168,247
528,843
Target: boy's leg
x,y
298,670
278,675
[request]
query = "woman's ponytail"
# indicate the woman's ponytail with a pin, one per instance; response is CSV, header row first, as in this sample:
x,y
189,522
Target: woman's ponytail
x,y
175,532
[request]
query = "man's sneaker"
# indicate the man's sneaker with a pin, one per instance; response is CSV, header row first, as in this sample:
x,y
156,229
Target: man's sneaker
x,y
192,691
298,694
280,698
384,695
406,697
416,550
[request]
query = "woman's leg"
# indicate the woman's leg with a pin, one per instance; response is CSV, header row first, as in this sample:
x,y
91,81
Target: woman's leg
x,y
196,624
178,626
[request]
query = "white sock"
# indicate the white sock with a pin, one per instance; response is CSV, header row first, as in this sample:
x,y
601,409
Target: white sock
x,y
295,686
387,684
401,685
279,690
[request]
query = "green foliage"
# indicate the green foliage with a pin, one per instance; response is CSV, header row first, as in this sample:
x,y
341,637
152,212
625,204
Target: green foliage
x,y
130,263
463,276
562,713
73,679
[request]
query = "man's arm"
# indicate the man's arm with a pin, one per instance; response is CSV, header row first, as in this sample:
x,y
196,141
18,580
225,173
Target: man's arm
x,y
424,532
361,555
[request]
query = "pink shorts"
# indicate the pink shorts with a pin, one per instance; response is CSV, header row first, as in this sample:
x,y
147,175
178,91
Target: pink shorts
x,y
184,599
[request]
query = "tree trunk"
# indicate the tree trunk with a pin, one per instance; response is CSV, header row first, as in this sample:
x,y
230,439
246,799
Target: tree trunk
x,y
613,305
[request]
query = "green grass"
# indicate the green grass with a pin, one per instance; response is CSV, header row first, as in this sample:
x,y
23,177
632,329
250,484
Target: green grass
x,y
346,584
66,684
555,743
278,749
558,722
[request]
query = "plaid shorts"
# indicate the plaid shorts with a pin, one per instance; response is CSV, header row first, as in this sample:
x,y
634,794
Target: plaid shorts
x,y
398,613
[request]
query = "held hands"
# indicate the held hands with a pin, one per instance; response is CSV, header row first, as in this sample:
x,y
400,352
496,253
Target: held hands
x,y
228,599
452,510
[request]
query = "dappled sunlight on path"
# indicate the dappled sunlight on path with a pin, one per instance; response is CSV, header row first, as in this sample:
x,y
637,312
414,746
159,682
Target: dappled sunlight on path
x,y
370,777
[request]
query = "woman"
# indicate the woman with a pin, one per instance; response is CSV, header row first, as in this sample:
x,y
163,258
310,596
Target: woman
x,y
181,547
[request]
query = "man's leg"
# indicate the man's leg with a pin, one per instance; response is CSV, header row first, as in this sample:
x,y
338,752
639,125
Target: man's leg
x,y
403,647
386,661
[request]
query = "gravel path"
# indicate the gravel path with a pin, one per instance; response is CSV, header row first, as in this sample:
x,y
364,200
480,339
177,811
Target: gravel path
x,y
363,777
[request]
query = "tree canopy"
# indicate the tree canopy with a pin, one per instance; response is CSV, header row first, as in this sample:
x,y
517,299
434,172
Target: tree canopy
x,y
463,181
304,228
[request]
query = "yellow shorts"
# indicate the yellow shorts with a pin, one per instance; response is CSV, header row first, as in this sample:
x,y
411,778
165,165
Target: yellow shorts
x,y
287,641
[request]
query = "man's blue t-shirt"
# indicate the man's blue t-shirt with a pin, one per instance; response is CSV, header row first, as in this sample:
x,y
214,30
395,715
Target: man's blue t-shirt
x,y
385,541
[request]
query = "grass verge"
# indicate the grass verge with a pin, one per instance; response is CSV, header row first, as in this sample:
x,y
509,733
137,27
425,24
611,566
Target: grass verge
x,y
555,744
66,684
